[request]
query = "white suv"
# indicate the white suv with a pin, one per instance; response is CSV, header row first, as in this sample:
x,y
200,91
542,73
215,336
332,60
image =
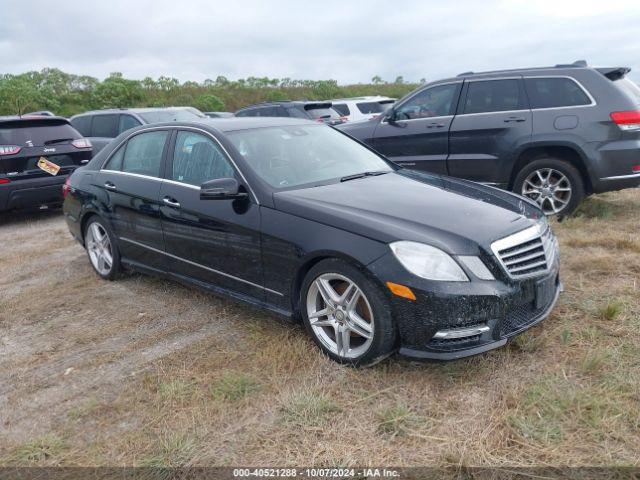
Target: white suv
x,y
361,108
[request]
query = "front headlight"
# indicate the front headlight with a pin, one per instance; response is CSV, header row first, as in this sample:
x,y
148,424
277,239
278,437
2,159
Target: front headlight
x,y
428,262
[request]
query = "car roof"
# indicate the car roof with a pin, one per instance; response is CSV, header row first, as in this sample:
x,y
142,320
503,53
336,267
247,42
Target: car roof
x,y
40,119
230,124
364,98
288,102
130,110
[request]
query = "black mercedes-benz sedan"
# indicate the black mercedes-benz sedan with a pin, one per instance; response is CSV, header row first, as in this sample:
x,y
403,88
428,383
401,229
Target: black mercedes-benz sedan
x,y
298,218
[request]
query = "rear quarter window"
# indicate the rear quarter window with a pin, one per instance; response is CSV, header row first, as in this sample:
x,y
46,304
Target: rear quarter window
x,y
105,126
555,92
629,88
370,107
342,109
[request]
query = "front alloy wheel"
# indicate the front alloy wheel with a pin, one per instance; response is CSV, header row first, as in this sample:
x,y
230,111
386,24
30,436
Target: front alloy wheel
x,y
550,188
340,315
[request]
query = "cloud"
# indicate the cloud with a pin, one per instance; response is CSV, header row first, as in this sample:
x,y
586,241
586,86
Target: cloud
x,y
347,41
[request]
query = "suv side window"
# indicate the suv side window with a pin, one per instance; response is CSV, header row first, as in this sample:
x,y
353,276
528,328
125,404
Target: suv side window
x,y
438,101
555,92
296,112
143,154
83,125
280,111
105,126
246,113
493,96
198,159
342,109
127,122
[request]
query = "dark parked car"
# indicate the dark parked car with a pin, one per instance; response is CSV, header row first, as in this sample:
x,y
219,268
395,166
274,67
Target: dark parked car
x,y
319,111
102,126
298,218
552,134
36,156
219,114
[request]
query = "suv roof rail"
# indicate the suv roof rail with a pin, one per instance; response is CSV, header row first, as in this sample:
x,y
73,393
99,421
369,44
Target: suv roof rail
x,y
576,64
466,73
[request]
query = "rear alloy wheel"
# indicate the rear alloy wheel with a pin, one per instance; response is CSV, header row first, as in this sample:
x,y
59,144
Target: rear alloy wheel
x,y
101,250
555,185
347,314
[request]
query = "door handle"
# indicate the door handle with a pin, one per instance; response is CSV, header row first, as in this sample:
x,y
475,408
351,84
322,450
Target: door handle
x,y
110,186
435,125
171,202
514,119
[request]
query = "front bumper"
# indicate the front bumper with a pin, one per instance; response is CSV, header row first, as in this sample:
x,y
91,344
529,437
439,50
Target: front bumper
x,y
507,307
32,193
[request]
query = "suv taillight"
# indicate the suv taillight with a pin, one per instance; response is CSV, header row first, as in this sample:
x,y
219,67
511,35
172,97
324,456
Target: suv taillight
x,y
9,149
66,188
81,143
4,181
629,120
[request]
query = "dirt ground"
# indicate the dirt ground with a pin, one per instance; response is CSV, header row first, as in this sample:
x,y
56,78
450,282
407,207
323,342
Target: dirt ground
x,y
145,372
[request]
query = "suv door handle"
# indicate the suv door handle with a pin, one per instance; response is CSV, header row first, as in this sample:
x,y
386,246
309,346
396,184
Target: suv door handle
x,y
514,119
171,202
435,125
110,186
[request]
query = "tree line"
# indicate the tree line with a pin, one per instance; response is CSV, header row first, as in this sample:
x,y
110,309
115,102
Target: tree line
x,y
67,94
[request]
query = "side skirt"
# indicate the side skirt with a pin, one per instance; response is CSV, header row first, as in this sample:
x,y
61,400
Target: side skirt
x,y
207,287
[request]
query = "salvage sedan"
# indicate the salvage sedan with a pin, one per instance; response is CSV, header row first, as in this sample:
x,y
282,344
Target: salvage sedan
x,y
300,219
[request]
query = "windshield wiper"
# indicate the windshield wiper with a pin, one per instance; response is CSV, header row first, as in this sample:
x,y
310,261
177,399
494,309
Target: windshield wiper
x,y
362,175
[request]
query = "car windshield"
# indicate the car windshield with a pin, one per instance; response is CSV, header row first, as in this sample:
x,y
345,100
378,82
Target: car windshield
x,y
172,115
290,156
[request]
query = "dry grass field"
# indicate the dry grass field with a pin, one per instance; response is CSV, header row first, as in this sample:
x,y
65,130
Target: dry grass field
x,y
146,372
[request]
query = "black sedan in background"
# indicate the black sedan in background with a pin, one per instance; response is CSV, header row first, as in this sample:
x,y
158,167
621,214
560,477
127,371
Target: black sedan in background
x,y
300,219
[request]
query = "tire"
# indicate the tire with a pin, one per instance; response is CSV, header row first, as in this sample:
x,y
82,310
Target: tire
x,y
554,200
102,249
355,317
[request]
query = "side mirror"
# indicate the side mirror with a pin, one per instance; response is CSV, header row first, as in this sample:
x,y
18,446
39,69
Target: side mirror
x,y
390,116
221,189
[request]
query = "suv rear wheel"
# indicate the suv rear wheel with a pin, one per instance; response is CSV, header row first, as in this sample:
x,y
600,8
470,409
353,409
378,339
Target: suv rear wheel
x,y
553,184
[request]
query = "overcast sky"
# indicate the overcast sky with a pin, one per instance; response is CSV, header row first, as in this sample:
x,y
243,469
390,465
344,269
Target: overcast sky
x,y
349,41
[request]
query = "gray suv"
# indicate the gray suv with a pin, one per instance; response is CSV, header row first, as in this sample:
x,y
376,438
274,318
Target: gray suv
x,y
102,126
552,134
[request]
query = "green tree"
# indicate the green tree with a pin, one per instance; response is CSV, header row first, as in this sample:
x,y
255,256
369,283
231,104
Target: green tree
x,y
209,103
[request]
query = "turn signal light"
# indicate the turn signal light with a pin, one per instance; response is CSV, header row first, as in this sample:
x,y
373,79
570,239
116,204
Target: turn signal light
x,y
401,291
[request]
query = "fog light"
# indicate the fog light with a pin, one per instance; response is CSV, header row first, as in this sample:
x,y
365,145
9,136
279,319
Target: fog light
x,y
461,332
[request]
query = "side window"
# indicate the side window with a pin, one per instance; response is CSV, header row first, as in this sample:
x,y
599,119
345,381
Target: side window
x,y
281,111
438,101
267,112
143,154
297,113
115,162
555,92
342,108
493,96
197,159
127,122
247,113
83,125
105,126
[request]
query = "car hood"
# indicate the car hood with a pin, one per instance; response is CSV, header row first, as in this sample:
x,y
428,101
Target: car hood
x,y
458,216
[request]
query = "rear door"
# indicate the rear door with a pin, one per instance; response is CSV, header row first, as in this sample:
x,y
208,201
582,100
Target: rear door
x,y
493,120
419,137
213,241
131,181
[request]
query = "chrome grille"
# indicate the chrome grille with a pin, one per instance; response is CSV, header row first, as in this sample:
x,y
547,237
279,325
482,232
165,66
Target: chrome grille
x,y
526,253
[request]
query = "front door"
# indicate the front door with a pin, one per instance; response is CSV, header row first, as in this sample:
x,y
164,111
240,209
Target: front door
x,y
493,120
131,182
216,242
418,138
